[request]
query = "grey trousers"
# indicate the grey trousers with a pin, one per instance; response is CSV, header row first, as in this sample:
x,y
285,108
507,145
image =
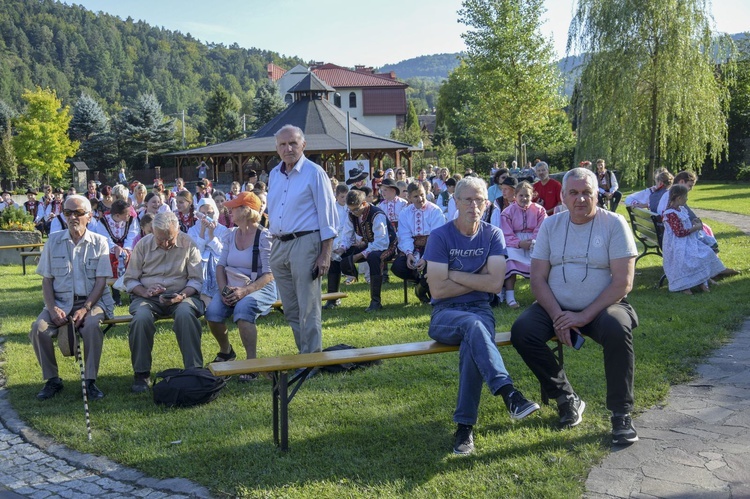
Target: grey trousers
x,y
187,328
44,331
292,263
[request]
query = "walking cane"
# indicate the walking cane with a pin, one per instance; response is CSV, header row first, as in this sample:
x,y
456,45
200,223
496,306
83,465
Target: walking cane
x,y
83,379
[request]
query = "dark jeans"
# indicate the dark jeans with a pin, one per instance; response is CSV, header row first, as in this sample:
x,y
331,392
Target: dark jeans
x,y
612,329
334,271
402,271
614,201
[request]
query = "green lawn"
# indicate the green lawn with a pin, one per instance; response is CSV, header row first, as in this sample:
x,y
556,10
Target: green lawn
x,y
383,431
734,197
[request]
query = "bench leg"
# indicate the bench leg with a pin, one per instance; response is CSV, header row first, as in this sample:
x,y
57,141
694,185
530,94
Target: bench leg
x,y
406,292
23,263
281,399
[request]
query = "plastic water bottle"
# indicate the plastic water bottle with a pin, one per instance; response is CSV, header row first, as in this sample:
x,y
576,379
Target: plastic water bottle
x,y
121,265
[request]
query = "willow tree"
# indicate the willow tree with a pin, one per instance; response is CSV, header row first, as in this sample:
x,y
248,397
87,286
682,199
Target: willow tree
x,y
511,66
651,94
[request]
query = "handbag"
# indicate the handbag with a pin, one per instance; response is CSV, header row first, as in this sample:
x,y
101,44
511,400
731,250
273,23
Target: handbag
x,y
236,279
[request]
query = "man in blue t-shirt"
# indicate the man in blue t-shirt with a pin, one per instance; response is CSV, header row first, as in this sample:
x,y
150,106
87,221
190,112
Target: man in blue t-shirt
x,y
466,267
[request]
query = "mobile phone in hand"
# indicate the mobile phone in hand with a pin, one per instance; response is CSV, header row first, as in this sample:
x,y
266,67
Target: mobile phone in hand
x,y
226,291
315,272
168,296
576,339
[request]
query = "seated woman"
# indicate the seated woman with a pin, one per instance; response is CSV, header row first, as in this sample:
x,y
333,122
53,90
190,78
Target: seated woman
x,y
520,223
208,234
688,263
246,288
185,210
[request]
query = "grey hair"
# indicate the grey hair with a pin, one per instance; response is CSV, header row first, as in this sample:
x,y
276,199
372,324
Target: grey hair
x,y
82,199
165,222
475,182
578,174
121,192
291,128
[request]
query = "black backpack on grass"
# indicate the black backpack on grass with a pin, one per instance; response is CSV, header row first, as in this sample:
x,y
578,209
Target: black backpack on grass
x,y
187,387
347,366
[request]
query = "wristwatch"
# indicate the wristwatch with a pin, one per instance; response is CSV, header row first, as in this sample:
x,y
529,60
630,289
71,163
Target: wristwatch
x,y
184,296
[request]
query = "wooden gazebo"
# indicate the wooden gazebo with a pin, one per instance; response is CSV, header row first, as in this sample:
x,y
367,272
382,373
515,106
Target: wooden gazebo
x,y
325,131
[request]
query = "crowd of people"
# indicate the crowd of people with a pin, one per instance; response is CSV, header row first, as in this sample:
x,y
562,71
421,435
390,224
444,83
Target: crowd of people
x,y
231,255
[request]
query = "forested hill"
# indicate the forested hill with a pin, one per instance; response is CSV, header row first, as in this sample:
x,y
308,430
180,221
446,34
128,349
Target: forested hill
x,y
435,66
72,50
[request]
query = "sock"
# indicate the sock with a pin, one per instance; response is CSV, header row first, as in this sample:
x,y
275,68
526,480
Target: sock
x,y
510,295
506,391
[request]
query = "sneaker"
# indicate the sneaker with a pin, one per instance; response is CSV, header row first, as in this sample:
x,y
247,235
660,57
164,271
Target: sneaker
x,y
52,387
519,407
623,432
571,412
464,442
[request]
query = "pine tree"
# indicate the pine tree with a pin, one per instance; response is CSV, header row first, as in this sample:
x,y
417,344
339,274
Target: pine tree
x,y
222,118
41,142
144,129
651,94
8,162
90,126
267,104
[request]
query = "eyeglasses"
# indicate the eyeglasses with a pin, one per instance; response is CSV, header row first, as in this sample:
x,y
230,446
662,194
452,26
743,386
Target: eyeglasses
x,y
475,201
78,213
576,260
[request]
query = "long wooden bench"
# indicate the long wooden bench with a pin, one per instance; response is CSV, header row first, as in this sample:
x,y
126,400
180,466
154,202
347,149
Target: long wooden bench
x,y
648,229
125,319
24,252
285,387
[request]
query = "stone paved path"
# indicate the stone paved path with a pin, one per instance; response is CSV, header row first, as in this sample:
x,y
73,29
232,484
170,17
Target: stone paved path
x,y
697,445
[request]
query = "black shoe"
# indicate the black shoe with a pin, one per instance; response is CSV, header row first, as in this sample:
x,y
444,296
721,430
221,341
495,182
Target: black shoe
x,y
422,292
51,388
374,306
571,412
225,357
92,391
386,278
623,432
331,304
141,382
464,442
519,407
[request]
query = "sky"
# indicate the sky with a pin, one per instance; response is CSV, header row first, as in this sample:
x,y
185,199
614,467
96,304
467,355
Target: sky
x,y
366,32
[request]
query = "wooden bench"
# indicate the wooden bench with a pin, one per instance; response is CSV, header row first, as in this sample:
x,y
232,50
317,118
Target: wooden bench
x,y
125,319
648,229
25,253
284,387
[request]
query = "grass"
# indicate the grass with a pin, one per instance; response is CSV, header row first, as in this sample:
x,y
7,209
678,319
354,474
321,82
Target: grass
x,y
730,197
383,431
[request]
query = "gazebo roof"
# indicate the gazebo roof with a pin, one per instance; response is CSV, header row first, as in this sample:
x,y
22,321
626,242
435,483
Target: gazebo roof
x,y
323,123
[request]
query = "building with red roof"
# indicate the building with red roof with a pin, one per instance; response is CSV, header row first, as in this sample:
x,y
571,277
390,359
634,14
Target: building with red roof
x,y
377,100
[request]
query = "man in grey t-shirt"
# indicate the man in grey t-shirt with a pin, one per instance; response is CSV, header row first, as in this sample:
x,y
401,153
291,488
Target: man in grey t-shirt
x,y
581,272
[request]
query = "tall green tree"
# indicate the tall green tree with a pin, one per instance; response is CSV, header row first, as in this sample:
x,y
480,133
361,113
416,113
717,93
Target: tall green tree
x,y
452,117
90,126
511,66
145,131
267,104
651,94
41,142
411,132
222,116
8,162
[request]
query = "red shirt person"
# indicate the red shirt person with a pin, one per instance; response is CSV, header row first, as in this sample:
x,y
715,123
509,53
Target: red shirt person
x,y
547,189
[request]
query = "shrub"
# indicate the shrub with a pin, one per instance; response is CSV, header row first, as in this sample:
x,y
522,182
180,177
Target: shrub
x,y
16,218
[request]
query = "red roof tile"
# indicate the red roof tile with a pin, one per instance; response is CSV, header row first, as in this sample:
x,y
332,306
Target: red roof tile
x,y
339,77
275,72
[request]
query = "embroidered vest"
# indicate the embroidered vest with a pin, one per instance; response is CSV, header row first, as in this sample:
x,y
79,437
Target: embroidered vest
x,y
364,228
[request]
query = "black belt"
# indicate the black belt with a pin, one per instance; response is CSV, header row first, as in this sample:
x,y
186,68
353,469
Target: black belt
x,y
294,235
76,297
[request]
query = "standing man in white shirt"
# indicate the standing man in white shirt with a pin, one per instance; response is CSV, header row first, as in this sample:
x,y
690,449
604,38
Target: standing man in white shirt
x,y
303,221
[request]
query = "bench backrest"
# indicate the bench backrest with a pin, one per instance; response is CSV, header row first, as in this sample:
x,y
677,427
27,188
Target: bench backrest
x,y
647,227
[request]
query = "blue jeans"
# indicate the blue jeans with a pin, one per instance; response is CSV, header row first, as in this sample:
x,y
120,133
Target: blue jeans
x,y
472,326
247,309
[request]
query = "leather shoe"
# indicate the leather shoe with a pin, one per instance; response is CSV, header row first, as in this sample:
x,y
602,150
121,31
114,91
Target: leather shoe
x,y
331,304
51,388
374,306
141,383
92,391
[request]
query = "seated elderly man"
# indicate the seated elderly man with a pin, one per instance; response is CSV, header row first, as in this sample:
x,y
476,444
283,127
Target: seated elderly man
x,y
465,268
375,245
164,278
582,269
74,266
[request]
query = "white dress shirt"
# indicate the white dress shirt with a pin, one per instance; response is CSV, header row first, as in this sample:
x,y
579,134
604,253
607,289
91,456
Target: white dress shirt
x,y
379,229
413,222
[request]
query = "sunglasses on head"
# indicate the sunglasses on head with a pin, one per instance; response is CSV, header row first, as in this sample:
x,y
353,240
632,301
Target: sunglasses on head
x,y
78,213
